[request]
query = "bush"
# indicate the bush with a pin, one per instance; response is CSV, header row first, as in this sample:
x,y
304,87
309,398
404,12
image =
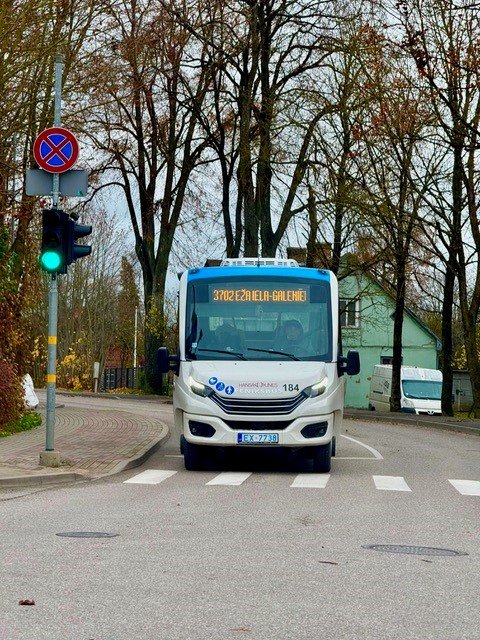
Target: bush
x,y
11,394
28,421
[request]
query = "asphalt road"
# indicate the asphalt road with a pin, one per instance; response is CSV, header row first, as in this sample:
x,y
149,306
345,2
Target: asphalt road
x,y
250,551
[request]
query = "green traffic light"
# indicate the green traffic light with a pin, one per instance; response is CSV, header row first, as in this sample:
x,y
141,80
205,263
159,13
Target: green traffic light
x,y
50,261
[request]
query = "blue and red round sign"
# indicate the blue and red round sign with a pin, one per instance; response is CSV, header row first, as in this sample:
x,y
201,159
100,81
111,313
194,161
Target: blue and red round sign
x,y
55,150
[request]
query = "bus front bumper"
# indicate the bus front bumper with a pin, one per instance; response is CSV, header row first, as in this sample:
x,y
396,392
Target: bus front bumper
x,y
304,431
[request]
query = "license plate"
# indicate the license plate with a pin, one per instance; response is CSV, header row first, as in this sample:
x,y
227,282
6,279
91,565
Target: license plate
x,y
257,438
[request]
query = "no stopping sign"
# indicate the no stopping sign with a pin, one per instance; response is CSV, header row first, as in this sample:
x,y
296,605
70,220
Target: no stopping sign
x,y
55,150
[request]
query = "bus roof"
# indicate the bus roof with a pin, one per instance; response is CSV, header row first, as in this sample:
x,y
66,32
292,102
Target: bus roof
x,y
235,271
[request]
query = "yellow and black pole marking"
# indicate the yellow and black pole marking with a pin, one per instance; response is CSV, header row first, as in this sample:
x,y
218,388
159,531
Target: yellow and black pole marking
x,y
52,362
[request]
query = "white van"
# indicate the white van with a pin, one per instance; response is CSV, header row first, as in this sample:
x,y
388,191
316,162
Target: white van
x,y
420,389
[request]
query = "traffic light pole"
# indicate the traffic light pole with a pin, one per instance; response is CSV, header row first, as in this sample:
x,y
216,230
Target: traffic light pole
x,y
50,457
52,363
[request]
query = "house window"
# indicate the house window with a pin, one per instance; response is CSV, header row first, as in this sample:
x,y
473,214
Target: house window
x,y
388,360
349,313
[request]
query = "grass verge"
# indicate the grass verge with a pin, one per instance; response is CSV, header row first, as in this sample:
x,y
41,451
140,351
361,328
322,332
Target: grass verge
x,y
29,420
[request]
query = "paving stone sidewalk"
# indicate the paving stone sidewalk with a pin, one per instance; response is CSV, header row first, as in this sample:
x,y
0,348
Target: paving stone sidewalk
x,y
91,443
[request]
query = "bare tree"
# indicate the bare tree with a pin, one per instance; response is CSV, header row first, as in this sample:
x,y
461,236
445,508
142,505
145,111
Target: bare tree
x,y
128,303
145,78
269,60
393,139
443,39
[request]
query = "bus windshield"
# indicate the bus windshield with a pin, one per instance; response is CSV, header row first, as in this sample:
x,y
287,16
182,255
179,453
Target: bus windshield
x,y
422,389
259,318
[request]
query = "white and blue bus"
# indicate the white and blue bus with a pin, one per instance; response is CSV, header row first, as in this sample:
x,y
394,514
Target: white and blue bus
x,y
259,360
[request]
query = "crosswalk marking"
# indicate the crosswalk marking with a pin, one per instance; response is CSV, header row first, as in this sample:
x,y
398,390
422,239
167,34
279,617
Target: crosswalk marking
x,y
230,478
467,487
301,481
391,483
152,476
311,480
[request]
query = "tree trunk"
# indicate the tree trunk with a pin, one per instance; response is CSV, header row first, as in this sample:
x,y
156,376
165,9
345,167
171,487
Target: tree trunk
x,y
473,362
395,397
447,342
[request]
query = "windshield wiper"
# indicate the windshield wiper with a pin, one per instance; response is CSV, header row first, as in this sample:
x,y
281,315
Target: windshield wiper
x,y
280,353
240,356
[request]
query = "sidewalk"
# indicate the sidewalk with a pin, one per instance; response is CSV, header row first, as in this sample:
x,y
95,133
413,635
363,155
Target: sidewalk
x,y
460,425
91,444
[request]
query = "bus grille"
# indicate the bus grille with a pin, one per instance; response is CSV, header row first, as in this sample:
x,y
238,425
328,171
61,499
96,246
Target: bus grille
x,y
253,406
258,425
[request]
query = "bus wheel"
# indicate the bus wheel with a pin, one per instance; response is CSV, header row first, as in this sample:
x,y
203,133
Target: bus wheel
x,y
193,456
334,446
322,458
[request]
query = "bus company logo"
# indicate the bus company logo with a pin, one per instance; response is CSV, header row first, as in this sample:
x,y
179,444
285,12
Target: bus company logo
x,y
258,385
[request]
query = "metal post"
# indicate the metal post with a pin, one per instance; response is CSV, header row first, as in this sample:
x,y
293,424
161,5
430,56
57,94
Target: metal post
x,y
135,339
50,457
14,189
135,372
52,361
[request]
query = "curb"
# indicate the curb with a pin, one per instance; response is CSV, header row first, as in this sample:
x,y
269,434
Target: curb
x,y
52,478
42,479
371,416
138,460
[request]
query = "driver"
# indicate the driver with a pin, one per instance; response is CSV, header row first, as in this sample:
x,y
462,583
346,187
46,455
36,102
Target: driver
x,y
293,336
293,332
228,337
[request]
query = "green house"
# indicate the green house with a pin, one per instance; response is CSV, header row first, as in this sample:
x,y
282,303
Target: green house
x,y
367,326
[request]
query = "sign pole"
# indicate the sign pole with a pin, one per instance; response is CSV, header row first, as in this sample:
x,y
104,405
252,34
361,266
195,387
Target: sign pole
x,y
50,457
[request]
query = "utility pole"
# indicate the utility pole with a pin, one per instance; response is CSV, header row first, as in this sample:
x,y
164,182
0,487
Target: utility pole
x,y
135,349
14,189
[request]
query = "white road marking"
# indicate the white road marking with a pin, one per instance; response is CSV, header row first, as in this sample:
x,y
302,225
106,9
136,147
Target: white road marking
x,y
391,483
376,453
152,476
311,480
230,478
354,458
467,487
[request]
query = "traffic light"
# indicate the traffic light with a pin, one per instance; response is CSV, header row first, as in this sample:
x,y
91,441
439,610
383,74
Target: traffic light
x,y
53,256
76,231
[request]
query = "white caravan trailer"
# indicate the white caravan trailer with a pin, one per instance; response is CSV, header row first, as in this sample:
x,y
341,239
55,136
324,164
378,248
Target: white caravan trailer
x,y
247,375
421,389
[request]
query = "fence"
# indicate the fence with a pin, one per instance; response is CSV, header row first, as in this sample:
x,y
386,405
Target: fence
x,y
128,378
121,378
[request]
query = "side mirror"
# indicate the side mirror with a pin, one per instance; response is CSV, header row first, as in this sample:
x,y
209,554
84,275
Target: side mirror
x,y
349,365
166,362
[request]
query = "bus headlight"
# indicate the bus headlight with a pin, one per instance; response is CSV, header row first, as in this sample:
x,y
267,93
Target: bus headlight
x,y
317,389
408,403
200,389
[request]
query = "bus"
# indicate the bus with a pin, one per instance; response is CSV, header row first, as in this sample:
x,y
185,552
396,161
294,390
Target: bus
x,y
259,361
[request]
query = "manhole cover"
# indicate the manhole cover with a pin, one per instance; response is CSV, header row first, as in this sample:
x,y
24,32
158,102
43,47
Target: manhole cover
x,y
87,534
411,549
